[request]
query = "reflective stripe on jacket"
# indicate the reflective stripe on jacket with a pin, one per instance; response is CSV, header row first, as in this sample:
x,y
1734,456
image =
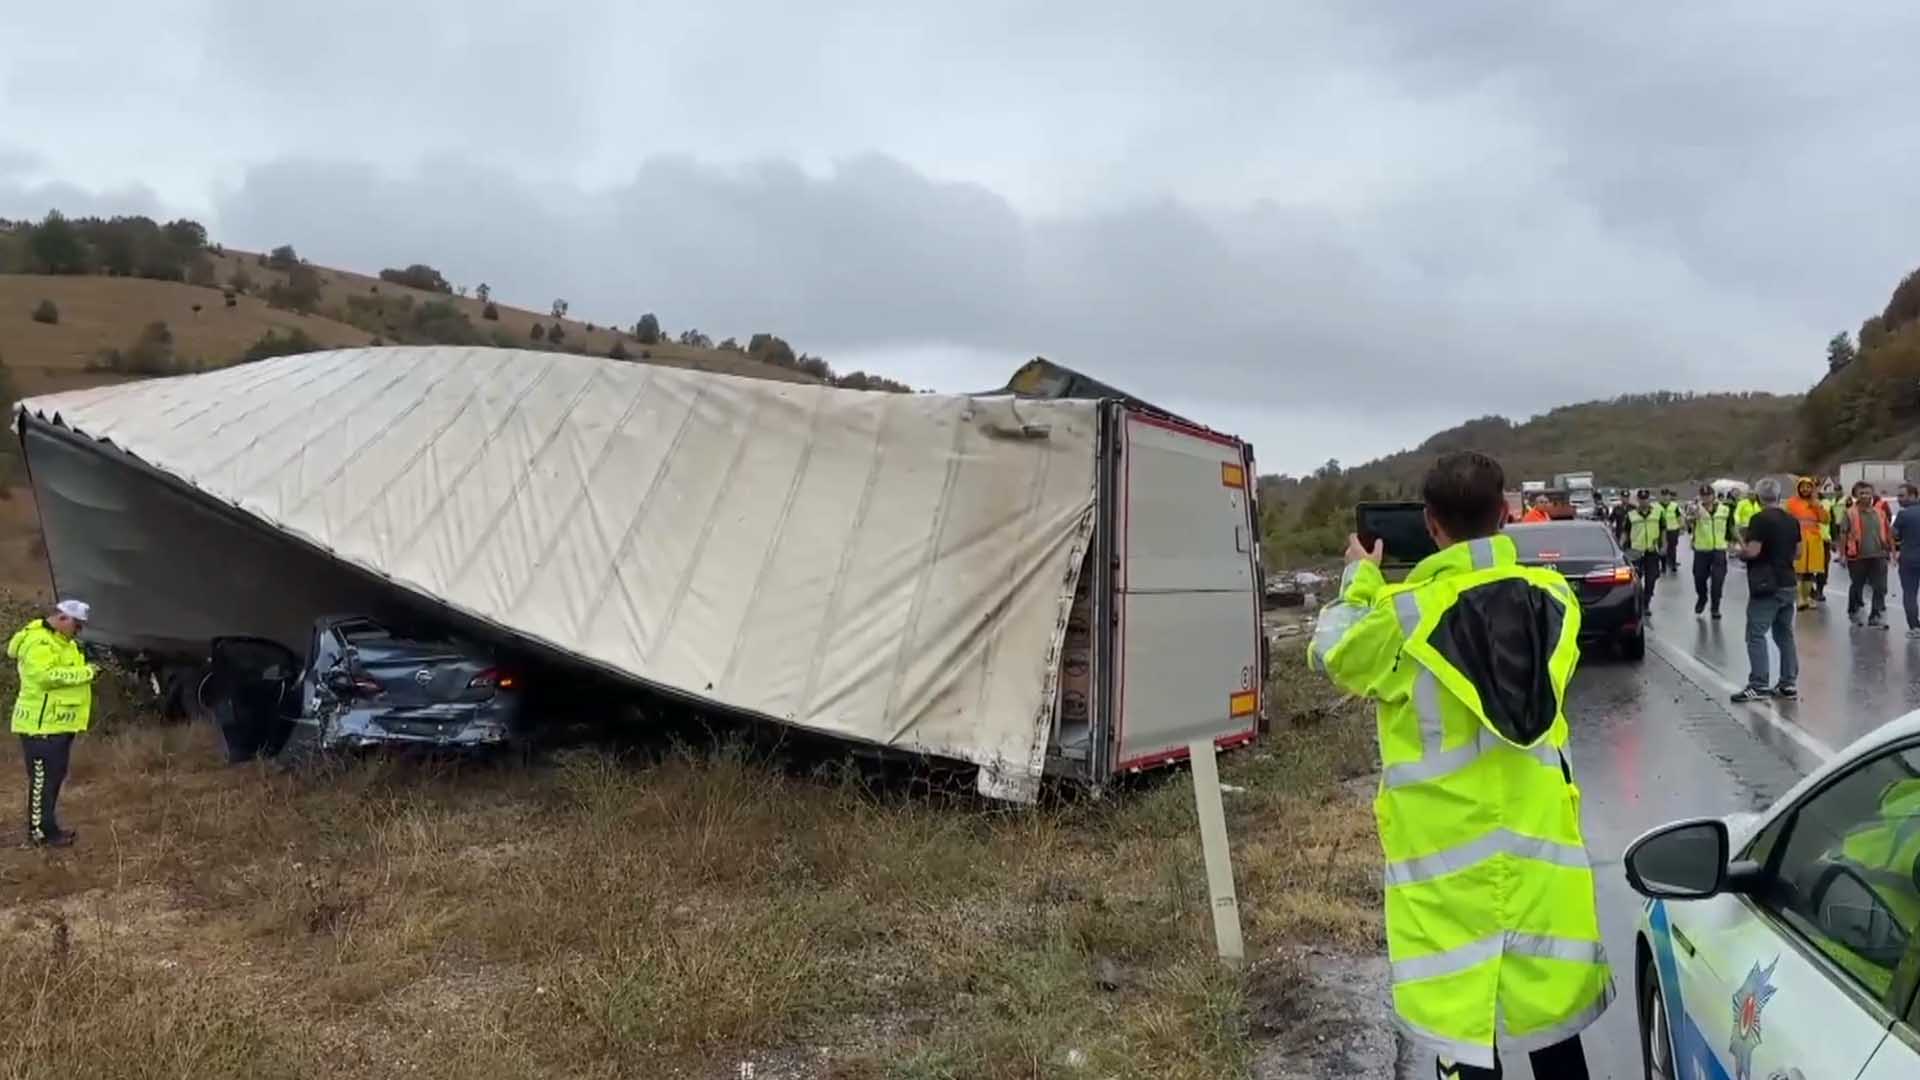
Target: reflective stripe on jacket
x,y
56,682
1492,928
1643,529
1710,527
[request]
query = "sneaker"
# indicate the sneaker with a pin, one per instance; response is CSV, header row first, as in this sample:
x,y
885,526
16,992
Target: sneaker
x,y
1914,632
60,838
1788,691
1716,615
1875,622
1748,694
1699,606
1854,617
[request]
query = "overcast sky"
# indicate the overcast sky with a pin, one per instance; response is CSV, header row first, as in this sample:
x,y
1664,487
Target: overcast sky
x,y
1332,227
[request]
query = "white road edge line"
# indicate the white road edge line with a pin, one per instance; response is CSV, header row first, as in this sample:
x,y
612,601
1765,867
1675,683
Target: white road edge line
x,y
1693,669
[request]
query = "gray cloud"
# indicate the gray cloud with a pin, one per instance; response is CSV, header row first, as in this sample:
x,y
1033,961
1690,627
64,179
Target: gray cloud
x,y
1331,226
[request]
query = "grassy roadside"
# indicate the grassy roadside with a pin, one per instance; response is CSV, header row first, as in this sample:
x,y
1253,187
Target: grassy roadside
x,y
598,916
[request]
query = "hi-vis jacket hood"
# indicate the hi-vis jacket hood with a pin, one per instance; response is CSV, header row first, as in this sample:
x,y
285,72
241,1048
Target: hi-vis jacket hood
x,y
1497,641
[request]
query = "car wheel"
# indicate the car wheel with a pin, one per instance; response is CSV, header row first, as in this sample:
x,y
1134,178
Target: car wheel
x,y
1656,1033
1634,647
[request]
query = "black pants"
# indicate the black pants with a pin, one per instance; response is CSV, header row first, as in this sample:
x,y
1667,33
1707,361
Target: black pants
x,y
1864,574
47,757
1561,1061
1649,566
1672,559
1709,578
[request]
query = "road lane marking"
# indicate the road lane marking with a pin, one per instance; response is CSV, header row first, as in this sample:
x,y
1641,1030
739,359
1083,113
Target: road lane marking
x,y
1804,749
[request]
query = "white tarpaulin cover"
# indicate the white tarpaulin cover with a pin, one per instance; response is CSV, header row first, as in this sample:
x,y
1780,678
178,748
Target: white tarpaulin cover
x,y
888,567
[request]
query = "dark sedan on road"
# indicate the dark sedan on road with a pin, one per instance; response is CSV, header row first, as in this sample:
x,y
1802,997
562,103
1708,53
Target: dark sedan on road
x,y
1585,553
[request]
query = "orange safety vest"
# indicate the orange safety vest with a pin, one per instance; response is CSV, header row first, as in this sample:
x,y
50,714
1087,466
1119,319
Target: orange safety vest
x,y
1535,514
1853,530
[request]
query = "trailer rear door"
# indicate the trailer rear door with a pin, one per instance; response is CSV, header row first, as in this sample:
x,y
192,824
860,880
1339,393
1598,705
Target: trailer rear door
x,y
1189,607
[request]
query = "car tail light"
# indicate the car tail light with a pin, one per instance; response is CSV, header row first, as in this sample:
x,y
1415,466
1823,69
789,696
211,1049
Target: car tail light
x,y
492,679
1619,575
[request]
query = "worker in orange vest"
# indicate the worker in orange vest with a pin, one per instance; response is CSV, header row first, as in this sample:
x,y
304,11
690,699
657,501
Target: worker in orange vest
x,y
1537,512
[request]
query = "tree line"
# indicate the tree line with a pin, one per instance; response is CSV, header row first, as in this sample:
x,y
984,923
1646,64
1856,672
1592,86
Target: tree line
x,y
1867,403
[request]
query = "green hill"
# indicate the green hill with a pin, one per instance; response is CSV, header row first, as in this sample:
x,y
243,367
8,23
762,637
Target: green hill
x,y
1867,405
1635,439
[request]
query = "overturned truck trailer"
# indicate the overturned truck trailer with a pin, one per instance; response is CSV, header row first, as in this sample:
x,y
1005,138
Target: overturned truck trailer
x,y
1064,587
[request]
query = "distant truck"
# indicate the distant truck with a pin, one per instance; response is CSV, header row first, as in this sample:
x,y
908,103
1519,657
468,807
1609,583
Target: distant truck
x,y
1579,489
1885,476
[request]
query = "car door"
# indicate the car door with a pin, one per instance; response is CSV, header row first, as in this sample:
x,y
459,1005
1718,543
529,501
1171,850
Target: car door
x,y
1809,970
251,690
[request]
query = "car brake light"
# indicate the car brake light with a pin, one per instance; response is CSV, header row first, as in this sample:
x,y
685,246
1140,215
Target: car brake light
x,y
491,679
1619,575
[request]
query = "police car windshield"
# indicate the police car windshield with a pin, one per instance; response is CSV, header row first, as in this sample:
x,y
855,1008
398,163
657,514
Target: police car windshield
x,y
1572,540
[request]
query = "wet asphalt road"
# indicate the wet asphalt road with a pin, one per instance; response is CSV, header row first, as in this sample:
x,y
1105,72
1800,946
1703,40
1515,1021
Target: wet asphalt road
x,y
1852,678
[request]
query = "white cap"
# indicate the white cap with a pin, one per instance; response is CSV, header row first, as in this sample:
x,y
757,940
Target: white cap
x,y
74,609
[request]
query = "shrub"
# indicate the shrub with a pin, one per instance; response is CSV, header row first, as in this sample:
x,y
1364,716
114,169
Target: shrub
x,y
695,339
300,293
730,345
45,312
272,343
771,350
283,257
490,312
196,309
440,322
556,333
152,352
418,276
647,330
618,352
241,281
232,300
538,333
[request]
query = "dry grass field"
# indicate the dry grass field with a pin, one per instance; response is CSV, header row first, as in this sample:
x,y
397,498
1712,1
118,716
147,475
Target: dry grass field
x,y
679,912
106,313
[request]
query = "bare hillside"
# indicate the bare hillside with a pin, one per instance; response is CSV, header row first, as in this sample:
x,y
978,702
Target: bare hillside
x,y
97,313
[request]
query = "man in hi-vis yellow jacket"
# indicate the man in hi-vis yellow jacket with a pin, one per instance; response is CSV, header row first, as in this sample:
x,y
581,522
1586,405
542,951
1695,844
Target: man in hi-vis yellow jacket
x,y
1493,935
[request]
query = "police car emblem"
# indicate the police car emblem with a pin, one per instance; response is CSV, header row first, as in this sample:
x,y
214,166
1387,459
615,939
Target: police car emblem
x,y
1748,1003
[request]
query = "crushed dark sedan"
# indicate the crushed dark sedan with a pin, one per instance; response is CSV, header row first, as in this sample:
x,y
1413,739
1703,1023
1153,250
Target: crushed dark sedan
x,y
1585,553
361,684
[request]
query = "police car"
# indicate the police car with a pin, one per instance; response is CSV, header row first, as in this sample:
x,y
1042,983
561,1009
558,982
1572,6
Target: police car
x,y
1785,945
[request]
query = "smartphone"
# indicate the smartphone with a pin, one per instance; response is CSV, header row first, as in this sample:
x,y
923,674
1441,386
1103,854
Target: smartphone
x,y
1400,526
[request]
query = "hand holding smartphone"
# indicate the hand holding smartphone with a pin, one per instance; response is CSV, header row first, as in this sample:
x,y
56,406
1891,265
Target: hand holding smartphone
x,y
1400,526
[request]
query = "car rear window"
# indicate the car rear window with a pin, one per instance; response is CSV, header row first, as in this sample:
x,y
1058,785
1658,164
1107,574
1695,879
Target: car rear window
x,y
1584,541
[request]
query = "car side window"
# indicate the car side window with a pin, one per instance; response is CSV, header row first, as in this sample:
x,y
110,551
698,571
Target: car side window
x,y
1845,872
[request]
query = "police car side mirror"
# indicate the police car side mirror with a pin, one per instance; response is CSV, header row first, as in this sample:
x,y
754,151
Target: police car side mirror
x,y
1686,860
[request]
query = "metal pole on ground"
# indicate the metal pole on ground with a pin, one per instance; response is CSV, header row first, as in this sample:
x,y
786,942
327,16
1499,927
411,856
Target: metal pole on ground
x,y
1213,843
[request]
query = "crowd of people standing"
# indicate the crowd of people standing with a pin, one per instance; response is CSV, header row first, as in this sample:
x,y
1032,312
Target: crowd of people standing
x,y
1787,544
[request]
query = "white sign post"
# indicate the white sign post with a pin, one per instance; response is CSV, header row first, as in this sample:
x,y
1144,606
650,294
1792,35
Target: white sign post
x,y
1213,843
